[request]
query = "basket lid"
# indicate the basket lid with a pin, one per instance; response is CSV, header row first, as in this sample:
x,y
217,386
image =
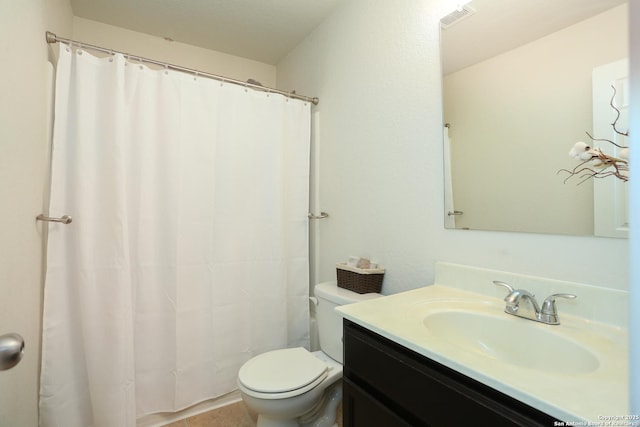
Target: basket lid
x,y
343,266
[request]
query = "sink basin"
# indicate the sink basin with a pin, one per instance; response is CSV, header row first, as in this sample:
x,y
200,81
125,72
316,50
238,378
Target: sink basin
x,y
577,370
515,341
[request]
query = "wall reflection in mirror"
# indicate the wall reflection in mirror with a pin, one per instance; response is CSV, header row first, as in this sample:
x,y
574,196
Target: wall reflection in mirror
x,y
519,91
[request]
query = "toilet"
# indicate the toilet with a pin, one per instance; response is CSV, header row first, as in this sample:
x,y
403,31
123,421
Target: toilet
x,y
294,387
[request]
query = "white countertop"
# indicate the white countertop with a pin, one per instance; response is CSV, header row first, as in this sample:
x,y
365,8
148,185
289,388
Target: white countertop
x,y
571,397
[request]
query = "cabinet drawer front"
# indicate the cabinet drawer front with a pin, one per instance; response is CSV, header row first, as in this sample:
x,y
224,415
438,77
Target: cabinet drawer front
x,y
425,392
361,409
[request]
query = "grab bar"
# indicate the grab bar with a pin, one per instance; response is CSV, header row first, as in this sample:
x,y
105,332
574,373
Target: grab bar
x,y
322,215
65,219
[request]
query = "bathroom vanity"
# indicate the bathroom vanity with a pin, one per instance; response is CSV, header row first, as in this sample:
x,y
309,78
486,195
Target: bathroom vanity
x,y
386,384
449,355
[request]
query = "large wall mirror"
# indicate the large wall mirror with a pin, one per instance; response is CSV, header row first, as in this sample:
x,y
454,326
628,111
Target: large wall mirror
x,y
519,92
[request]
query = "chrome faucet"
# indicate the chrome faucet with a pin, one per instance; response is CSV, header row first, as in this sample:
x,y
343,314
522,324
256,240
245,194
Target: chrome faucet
x,y
548,314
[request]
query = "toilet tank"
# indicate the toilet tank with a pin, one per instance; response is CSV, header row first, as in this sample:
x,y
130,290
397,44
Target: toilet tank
x,y
330,296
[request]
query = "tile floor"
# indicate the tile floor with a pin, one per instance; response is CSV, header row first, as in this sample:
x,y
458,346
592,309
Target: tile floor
x,y
234,415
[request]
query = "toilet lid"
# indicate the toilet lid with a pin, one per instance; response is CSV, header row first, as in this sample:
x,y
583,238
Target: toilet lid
x,y
280,371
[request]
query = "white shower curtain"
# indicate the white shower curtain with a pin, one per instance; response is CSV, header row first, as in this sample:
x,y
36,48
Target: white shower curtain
x,y
188,250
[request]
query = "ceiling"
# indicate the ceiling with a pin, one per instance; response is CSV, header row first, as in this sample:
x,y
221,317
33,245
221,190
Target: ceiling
x,y
266,30
501,25
262,30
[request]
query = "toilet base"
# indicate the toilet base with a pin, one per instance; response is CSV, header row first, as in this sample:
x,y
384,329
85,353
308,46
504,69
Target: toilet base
x,y
323,414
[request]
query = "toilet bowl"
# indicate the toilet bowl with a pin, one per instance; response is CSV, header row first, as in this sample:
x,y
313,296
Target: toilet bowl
x,y
293,386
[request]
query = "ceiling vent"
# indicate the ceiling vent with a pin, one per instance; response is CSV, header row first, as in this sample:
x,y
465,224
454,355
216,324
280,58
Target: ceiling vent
x,y
456,16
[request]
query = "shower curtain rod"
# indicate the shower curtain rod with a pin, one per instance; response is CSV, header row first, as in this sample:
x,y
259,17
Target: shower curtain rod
x,y
52,38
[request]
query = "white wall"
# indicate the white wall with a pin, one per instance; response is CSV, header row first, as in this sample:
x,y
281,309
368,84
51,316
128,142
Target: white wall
x,y
23,157
157,48
375,66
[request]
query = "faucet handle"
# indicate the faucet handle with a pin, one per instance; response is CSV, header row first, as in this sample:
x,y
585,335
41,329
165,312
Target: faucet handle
x,y
549,312
504,285
549,304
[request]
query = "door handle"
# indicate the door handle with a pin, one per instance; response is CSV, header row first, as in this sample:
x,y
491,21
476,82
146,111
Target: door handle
x,y
11,350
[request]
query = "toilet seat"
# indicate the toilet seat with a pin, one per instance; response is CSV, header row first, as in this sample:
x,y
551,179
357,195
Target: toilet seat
x,y
280,374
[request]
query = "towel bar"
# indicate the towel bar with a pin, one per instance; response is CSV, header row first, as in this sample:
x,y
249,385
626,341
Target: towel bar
x,y
321,216
65,219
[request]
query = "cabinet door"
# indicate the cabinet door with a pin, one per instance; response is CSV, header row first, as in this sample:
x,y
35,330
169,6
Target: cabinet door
x,y
360,409
424,392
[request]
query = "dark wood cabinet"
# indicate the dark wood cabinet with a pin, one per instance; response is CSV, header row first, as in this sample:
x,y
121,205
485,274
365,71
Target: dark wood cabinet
x,y
388,385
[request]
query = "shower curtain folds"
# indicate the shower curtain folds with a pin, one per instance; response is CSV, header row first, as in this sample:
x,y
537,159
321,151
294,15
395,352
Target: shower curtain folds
x,y
188,250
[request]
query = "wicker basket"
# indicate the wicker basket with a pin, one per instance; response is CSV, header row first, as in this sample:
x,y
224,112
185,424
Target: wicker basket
x,y
362,281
